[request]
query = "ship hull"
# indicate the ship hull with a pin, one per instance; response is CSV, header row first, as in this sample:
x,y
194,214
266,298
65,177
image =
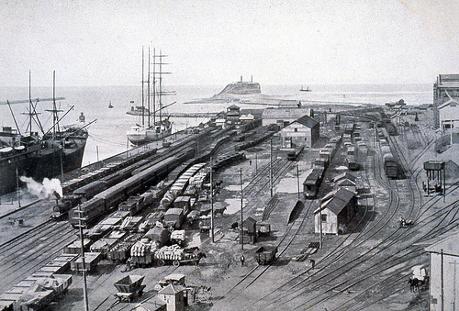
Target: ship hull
x,y
142,139
39,164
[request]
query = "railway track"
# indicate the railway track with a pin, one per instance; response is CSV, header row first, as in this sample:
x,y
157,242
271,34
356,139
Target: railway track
x,y
334,255
393,241
9,214
287,239
29,252
412,205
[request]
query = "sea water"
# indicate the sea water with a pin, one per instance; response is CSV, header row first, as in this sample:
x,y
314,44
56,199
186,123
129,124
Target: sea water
x,y
107,135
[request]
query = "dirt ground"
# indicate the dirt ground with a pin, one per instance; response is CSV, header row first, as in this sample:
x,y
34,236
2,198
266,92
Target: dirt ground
x,y
364,269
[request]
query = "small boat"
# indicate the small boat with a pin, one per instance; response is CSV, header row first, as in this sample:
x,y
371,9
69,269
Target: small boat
x,y
138,111
307,89
110,105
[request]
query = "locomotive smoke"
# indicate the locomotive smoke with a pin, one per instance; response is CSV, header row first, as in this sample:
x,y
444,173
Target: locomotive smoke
x,y
43,190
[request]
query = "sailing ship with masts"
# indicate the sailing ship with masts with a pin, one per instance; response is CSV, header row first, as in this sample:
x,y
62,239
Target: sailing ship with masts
x,y
151,129
39,152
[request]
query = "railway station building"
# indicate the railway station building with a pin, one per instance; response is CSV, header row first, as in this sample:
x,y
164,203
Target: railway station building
x,y
304,131
444,270
335,212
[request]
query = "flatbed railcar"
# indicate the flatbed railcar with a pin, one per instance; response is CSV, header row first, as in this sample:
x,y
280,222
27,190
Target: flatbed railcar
x,y
106,201
293,155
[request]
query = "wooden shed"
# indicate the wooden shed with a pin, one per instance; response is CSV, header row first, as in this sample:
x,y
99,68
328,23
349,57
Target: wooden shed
x,y
335,211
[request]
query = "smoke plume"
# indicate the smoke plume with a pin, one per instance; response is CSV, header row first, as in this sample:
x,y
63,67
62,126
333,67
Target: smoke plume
x,y
43,190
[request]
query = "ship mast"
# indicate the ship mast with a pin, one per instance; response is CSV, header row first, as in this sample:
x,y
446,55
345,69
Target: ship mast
x,y
55,110
160,93
30,104
154,88
160,86
143,101
148,87
32,109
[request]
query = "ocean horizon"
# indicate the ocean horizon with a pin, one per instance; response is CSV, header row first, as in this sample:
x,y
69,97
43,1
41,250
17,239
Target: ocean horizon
x,y
107,136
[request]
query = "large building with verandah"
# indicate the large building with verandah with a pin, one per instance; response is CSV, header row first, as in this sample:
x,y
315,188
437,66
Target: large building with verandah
x,y
444,273
445,101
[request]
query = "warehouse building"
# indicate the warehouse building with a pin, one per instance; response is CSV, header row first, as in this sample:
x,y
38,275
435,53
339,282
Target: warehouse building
x,y
283,116
445,99
335,212
444,270
304,131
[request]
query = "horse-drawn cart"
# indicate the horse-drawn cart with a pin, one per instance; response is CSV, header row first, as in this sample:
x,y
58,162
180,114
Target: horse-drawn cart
x,y
129,288
178,256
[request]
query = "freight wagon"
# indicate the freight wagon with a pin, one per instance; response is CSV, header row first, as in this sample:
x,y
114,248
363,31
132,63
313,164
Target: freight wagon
x,y
311,184
352,163
293,155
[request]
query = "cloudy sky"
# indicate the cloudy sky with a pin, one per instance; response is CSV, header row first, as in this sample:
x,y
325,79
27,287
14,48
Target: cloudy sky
x,y
214,42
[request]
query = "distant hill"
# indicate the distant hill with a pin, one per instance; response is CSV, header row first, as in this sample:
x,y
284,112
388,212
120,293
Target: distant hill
x,y
240,88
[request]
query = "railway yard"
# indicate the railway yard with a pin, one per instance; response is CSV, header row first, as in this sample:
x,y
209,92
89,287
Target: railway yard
x,y
148,212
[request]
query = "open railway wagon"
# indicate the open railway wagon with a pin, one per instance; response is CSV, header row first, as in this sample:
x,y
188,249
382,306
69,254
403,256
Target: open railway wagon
x,y
265,255
293,154
255,140
129,288
392,166
121,251
35,292
104,202
87,189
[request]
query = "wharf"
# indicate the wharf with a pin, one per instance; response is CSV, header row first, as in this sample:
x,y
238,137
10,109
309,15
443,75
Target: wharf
x,y
193,114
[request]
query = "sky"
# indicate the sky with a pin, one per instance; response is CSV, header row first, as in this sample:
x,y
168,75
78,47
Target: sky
x,y
97,43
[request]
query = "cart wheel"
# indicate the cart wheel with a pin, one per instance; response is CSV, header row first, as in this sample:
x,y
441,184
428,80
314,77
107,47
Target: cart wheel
x,y
161,262
176,263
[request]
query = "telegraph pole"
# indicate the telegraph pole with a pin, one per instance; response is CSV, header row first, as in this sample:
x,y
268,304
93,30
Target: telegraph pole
x,y
298,180
212,231
454,283
85,290
18,191
442,293
271,168
242,213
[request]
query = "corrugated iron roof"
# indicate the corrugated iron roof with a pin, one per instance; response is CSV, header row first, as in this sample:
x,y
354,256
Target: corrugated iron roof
x,y
307,121
290,113
345,175
336,200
